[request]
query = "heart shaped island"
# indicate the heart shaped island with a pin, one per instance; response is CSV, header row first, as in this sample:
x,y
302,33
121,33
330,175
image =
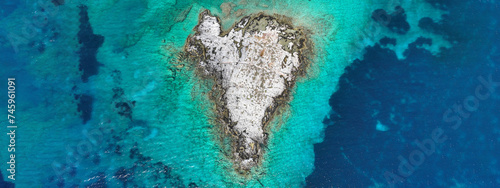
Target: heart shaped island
x,y
254,66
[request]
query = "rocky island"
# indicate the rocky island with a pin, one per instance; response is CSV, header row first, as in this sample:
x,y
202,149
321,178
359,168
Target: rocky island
x,y
254,66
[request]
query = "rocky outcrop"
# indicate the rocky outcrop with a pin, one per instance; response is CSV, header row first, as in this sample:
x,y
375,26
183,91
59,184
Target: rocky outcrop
x,y
254,66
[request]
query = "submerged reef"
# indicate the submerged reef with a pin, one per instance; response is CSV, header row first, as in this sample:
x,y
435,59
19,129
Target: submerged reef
x,y
254,66
90,43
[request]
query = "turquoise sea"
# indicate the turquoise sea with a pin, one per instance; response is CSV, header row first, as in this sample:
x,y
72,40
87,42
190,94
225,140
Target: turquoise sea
x,y
106,98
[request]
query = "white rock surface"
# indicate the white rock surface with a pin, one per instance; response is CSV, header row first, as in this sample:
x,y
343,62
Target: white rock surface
x,y
252,76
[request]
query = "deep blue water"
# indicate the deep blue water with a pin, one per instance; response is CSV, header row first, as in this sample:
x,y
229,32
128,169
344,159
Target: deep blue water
x,y
411,97
6,7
